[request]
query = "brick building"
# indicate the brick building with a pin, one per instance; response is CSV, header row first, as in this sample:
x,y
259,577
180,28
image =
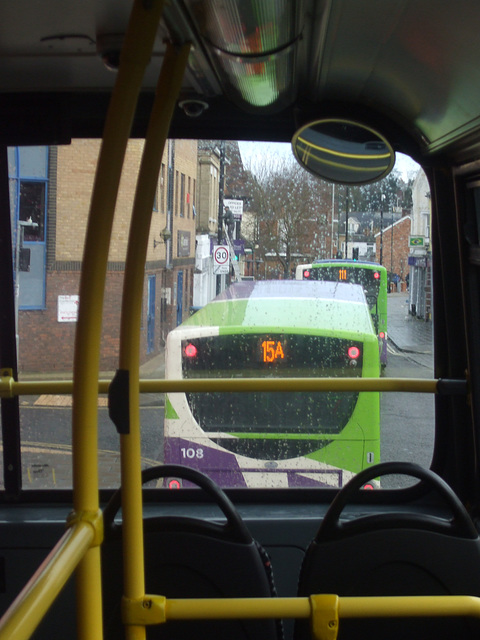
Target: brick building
x,y
395,239
59,211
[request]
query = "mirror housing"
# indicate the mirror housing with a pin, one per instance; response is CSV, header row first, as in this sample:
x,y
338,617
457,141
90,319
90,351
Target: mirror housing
x,y
343,151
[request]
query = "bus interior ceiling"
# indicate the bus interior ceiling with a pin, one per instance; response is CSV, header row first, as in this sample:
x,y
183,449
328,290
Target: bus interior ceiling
x,y
406,69
401,81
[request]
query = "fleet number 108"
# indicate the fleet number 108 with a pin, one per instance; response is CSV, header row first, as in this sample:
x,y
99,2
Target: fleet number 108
x,y
191,453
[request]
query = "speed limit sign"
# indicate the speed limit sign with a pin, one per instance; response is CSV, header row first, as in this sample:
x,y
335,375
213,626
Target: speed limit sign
x,y
221,259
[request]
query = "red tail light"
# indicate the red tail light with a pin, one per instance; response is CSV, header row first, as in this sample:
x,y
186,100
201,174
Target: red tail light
x,y
353,353
191,350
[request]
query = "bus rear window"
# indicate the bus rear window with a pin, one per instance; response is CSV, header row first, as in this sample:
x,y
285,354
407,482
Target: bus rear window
x,y
369,279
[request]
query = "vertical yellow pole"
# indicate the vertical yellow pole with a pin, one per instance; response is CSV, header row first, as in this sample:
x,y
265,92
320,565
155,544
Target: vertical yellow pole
x,y
169,85
135,56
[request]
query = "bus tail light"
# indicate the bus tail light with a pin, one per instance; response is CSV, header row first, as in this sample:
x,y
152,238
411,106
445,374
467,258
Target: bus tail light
x,y
353,353
382,335
191,350
173,483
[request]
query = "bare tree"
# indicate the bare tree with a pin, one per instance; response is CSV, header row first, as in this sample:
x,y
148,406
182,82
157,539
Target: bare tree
x,y
292,209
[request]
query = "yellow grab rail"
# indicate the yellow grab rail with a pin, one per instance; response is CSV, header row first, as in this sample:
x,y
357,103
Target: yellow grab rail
x,y
324,610
10,387
168,88
135,56
348,607
33,602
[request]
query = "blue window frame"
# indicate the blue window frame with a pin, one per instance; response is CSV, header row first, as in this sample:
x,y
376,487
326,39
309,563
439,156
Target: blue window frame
x,y
28,177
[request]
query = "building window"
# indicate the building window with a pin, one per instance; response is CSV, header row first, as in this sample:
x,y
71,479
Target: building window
x,y
162,188
176,193
28,184
182,195
32,210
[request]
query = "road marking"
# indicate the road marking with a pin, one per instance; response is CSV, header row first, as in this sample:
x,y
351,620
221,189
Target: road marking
x,y
47,400
46,474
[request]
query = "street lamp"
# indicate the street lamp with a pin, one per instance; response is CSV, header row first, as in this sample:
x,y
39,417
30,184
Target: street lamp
x,y
347,195
165,235
333,219
391,247
381,227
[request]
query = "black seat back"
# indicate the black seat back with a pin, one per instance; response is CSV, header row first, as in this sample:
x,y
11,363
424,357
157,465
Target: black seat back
x,y
191,558
394,554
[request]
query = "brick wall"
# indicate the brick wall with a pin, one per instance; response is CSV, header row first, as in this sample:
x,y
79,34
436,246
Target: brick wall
x,y
395,247
48,345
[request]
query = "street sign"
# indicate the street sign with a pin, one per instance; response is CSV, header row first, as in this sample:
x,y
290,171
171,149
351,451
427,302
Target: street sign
x,y
221,259
67,309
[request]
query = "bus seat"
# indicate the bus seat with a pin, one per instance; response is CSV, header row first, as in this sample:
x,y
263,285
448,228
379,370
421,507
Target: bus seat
x,y
189,557
393,554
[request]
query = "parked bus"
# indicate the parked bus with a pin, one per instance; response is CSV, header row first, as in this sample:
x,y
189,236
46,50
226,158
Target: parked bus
x,y
97,263
371,276
275,329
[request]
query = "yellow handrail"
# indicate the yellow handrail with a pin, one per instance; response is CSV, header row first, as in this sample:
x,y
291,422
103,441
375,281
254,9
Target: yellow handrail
x,y
33,602
168,88
134,58
348,607
324,610
10,388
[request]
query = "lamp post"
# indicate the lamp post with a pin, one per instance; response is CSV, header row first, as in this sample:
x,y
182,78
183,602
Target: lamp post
x,y
166,236
381,227
333,219
391,248
221,189
347,193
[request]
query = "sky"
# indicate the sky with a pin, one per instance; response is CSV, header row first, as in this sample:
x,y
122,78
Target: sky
x,y
252,152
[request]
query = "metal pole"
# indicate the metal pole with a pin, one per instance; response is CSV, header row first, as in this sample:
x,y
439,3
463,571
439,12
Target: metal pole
x,y
333,216
170,202
221,186
346,221
381,228
391,248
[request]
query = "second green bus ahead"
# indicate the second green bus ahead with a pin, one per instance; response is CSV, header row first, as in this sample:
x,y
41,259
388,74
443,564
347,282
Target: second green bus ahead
x,y
372,277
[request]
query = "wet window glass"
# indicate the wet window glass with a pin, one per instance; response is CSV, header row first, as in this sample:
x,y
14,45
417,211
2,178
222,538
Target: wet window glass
x,y
230,305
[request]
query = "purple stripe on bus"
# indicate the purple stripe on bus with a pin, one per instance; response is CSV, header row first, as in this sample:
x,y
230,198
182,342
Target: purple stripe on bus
x,y
222,467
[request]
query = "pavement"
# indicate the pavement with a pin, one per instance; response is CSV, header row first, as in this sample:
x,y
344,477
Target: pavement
x,y
406,332
409,336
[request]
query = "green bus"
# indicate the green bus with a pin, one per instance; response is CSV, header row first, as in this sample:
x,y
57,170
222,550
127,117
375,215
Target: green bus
x,y
370,275
275,329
